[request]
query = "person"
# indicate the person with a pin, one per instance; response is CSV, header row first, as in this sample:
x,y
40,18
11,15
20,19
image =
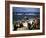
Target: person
x,y
15,27
29,26
22,27
36,23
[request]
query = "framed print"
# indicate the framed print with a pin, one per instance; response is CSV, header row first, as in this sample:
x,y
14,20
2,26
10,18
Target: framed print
x,y
24,18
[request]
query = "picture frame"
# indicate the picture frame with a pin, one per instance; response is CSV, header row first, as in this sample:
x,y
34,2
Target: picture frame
x,y
18,6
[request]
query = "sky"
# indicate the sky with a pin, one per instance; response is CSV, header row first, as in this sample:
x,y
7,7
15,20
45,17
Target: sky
x,y
21,10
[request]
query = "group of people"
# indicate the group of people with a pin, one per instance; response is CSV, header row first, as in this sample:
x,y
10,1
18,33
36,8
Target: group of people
x,y
27,25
